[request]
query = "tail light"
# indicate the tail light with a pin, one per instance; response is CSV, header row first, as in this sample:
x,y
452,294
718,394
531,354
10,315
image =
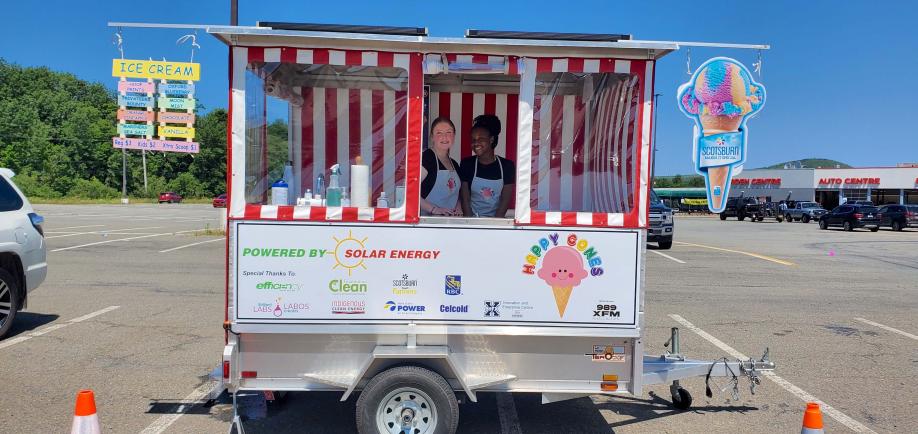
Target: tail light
x,y
226,369
37,221
858,215
911,214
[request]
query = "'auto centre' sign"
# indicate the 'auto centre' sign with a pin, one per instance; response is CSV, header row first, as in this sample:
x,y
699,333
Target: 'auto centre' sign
x,y
849,181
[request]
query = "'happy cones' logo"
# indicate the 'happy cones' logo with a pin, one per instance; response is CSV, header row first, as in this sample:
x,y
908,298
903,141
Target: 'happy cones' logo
x,y
563,265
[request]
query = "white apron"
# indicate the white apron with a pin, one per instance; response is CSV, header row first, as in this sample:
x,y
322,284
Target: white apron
x,y
445,192
485,194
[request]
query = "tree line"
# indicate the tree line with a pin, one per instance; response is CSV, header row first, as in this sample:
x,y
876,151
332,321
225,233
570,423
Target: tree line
x,y
56,134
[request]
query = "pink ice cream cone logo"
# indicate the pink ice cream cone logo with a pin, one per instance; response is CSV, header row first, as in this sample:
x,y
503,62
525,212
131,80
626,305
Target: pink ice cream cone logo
x,y
720,97
451,184
563,264
487,193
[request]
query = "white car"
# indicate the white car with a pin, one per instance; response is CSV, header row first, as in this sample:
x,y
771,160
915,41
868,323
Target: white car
x,y
23,263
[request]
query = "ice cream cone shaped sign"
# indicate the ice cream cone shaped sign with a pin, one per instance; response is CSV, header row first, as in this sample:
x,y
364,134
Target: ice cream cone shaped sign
x,y
562,269
721,96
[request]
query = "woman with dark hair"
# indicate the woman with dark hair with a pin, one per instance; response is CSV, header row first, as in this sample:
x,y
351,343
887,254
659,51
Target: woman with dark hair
x,y
487,180
439,174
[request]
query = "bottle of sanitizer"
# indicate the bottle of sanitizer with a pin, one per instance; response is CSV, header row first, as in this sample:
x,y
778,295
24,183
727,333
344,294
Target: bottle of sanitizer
x,y
345,201
382,202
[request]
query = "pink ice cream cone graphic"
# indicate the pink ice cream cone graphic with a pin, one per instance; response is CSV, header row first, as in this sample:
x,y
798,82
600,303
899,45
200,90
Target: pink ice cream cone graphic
x,y
487,192
562,269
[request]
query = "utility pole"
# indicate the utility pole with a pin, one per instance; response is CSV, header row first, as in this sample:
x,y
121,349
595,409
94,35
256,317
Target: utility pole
x,y
234,12
653,168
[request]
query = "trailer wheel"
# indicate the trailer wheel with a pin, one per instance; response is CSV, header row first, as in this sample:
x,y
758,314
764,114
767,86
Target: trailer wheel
x,y
407,399
682,399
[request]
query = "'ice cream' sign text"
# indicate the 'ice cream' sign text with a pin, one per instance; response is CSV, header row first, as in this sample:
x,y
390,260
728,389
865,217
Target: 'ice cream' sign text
x,y
720,97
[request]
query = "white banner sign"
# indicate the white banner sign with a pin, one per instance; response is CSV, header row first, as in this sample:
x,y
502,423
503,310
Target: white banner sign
x,y
354,274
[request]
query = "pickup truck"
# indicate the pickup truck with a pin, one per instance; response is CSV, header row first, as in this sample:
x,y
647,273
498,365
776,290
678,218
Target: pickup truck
x,y
742,207
662,226
805,212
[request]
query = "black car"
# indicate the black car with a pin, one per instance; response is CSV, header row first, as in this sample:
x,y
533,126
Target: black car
x,y
662,226
851,217
898,217
742,207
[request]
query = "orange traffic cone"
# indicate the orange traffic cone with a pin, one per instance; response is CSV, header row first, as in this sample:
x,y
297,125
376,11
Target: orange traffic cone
x,y
85,420
812,419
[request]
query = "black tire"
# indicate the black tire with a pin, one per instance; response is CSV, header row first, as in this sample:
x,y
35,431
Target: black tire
x,y
788,218
443,400
723,216
9,301
823,225
806,218
762,218
896,226
779,219
741,217
874,229
682,400
848,227
666,243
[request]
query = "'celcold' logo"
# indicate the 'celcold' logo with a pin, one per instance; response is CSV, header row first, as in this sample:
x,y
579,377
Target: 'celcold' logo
x,y
452,308
452,284
403,308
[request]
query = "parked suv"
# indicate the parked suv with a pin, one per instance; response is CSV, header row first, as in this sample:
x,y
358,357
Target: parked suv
x,y
740,207
170,197
898,216
23,263
662,225
851,217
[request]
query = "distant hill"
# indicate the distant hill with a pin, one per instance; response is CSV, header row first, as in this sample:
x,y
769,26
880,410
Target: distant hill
x,y
810,163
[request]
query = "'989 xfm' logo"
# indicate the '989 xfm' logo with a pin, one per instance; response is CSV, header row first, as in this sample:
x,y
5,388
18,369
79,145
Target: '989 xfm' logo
x,y
606,311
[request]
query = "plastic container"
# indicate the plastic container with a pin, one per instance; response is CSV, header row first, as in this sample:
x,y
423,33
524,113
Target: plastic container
x,y
279,192
383,201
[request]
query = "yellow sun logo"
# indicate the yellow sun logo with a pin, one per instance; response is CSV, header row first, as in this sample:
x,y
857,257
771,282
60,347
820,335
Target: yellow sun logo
x,y
345,244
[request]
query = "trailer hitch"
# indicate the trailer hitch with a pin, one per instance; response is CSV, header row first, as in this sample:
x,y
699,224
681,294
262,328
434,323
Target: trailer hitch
x,y
749,368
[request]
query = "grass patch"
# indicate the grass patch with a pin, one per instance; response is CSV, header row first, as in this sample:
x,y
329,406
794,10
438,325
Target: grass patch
x,y
116,201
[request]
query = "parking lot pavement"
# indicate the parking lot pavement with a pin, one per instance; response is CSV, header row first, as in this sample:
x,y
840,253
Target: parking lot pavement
x,y
133,305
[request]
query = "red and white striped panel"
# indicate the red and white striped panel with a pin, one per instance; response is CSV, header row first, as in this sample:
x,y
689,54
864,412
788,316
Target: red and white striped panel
x,y
591,155
337,124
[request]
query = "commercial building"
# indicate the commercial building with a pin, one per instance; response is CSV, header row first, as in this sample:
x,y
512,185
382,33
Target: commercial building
x,y
830,187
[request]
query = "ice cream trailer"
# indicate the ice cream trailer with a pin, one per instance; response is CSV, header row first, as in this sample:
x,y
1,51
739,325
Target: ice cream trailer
x,y
406,312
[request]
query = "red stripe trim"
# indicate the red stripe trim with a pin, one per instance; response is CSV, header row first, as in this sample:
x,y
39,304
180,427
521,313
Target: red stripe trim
x,y
544,64
467,116
444,105
568,218
320,57
256,54
353,123
554,168
349,214
575,64
252,211
415,118
285,213
606,65
385,59
306,137
537,218
512,132
514,67
288,55
317,213
401,134
331,135
638,68
536,149
353,58
600,219
490,104
380,214
578,148
480,58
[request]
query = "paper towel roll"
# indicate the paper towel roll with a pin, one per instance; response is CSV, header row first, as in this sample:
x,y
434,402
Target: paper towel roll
x,y
360,185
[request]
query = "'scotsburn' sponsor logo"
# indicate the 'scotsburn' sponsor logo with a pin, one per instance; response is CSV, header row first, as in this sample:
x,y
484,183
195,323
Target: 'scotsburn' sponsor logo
x,y
404,286
347,286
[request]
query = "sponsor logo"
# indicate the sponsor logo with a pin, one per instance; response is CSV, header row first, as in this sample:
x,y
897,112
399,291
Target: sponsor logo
x,y
269,273
349,307
275,286
341,286
492,308
607,354
404,286
269,252
278,308
504,308
452,308
452,284
404,308
352,253
606,310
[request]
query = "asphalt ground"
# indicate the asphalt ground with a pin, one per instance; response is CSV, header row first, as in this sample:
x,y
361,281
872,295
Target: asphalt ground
x,y
133,305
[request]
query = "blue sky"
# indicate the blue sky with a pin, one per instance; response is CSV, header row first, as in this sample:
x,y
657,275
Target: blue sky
x,y
839,74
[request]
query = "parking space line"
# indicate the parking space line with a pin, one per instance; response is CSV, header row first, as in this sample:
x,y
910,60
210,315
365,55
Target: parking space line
x,y
887,328
786,385
53,327
76,227
506,413
124,239
166,420
189,245
667,256
754,255
102,232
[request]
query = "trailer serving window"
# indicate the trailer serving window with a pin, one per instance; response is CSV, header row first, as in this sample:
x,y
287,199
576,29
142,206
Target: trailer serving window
x,y
349,109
